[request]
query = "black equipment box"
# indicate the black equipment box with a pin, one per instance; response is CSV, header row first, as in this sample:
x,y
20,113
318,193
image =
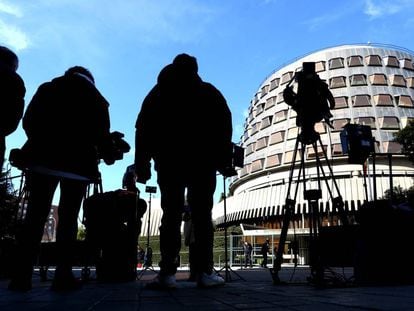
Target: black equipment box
x,y
112,228
384,244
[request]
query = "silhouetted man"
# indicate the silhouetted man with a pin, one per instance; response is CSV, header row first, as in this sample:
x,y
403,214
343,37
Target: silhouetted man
x,y
185,126
65,123
12,92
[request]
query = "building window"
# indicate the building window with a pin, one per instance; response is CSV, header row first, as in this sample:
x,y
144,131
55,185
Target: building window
x,y
390,123
250,148
410,82
404,101
311,151
293,133
280,98
289,156
320,128
357,80
320,66
407,64
391,61
257,165
280,116
369,121
397,80
341,102
378,79
361,101
355,60
336,63
373,60
255,128
255,99
274,84
286,77
270,102
266,122
273,160
338,124
264,90
337,149
277,137
259,109
336,82
245,170
261,143
383,100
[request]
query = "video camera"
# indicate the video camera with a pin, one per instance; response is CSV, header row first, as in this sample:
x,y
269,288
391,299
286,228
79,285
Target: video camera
x,y
113,148
313,99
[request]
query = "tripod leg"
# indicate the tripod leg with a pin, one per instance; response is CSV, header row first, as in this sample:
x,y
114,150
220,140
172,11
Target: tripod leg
x,y
288,211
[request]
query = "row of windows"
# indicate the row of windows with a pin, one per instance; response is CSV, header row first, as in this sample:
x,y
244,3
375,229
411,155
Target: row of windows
x,y
339,62
338,82
275,160
363,100
383,123
374,79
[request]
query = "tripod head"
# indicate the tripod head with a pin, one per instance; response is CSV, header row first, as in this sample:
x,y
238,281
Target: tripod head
x,y
312,101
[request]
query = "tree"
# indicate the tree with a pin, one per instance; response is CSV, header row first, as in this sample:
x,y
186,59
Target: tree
x,y
405,137
9,205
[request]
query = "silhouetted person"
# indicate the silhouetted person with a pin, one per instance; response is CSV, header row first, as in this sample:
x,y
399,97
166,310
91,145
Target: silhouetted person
x,y
265,251
12,92
65,122
185,126
248,252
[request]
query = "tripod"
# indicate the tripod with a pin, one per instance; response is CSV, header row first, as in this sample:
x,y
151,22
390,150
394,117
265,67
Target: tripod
x,y
148,251
312,196
226,268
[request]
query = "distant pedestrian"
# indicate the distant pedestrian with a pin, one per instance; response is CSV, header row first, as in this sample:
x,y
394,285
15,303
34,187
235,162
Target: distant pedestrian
x,y
248,252
265,251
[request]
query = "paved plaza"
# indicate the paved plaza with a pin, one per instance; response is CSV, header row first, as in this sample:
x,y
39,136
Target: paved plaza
x,y
247,289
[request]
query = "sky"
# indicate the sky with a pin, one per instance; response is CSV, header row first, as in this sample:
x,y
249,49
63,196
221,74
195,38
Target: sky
x,y
238,43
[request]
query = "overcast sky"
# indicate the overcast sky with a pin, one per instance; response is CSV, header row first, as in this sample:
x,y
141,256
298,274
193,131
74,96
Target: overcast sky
x,y
238,43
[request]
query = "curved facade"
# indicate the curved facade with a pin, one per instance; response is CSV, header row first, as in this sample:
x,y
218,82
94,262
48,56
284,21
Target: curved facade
x,y
372,85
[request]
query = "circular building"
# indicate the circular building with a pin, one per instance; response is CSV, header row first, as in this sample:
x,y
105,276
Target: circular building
x,y
373,85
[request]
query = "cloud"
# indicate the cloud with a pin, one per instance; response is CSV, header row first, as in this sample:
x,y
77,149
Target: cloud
x,y
10,9
10,34
13,37
380,8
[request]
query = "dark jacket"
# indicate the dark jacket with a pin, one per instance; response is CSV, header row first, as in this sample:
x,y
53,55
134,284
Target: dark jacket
x,y
65,122
184,125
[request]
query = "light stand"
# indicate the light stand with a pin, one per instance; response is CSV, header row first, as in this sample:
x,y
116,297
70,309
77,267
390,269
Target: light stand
x,y
237,161
227,268
148,251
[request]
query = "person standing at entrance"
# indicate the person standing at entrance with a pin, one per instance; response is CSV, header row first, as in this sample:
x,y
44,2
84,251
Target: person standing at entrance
x,y
248,251
185,126
265,251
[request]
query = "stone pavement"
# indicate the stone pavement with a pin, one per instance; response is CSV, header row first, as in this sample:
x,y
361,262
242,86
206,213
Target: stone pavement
x,y
247,289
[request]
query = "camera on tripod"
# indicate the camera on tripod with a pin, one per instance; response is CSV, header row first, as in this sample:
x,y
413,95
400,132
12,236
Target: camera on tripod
x,y
312,101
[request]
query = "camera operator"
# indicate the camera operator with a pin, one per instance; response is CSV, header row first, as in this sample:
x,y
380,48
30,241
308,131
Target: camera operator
x,y
65,123
178,108
12,92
